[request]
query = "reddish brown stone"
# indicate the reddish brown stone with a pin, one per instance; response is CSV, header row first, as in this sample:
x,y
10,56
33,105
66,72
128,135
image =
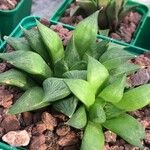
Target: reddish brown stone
x,y
51,140
110,137
17,138
49,121
43,147
62,130
3,67
39,129
147,140
36,142
67,140
116,148
10,123
9,4
5,98
1,132
27,118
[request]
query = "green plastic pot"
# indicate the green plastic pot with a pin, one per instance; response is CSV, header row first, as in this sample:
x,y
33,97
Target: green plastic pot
x,y
142,9
30,22
9,19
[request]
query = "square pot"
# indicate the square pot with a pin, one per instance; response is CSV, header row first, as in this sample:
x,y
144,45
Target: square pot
x,y
10,18
142,9
30,22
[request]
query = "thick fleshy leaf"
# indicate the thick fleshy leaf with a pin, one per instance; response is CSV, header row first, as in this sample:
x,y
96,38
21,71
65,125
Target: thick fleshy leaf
x,y
96,113
114,92
115,51
96,73
88,28
115,56
55,89
98,49
81,65
34,38
102,3
135,98
126,68
82,90
93,138
113,10
78,119
52,41
89,6
32,99
115,62
66,106
112,111
60,68
76,74
16,78
71,54
128,128
18,43
29,62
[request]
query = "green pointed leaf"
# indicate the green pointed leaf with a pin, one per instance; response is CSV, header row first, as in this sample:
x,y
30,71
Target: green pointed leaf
x,y
66,106
60,68
93,138
32,99
18,43
16,78
55,89
135,98
96,113
115,62
112,14
114,92
96,73
78,119
88,28
126,68
98,49
81,65
82,90
52,41
112,111
128,128
76,74
115,51
115,56
89,5
71,54
29,62
34,38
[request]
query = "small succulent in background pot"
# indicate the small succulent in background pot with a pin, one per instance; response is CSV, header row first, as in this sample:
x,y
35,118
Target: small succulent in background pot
x,y
86,82
111,11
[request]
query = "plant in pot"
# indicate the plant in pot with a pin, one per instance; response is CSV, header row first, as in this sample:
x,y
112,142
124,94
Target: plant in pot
x,y
117,19
86,82
11,13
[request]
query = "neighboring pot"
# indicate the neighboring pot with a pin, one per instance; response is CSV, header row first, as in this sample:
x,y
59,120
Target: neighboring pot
x,y
141,9
10,18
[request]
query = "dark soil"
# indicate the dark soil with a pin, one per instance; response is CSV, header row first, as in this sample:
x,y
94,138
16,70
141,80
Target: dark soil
x,y
46,128
8,4
125,31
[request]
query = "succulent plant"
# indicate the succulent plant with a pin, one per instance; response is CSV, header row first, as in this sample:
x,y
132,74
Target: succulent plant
x,y
86,81
111,11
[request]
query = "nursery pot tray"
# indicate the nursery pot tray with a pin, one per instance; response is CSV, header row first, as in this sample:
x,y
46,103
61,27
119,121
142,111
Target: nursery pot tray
x,y
142,9
30,22
11,18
